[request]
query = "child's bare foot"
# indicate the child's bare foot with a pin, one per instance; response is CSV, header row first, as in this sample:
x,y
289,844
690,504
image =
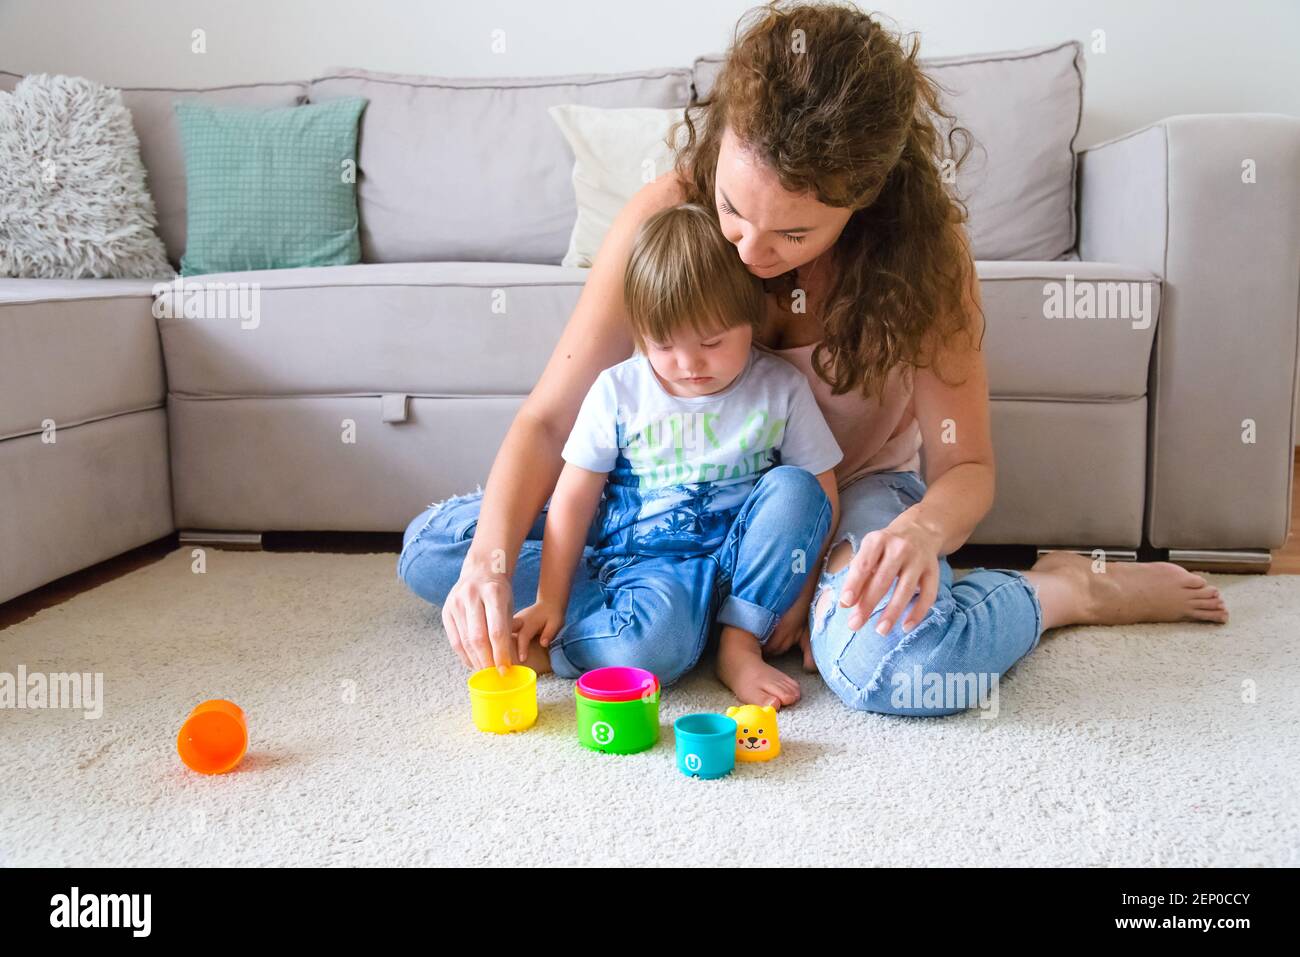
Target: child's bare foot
x,y
539,659
1127,592
741,667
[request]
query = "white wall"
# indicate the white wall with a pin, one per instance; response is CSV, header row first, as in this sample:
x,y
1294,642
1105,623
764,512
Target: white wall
x,y
1162,57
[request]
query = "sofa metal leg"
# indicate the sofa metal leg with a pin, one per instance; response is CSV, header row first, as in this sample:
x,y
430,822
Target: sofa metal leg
x,y
1112,554
241,541
1247,561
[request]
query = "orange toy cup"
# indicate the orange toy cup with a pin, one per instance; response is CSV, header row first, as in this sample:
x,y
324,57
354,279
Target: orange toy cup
x,y
214,737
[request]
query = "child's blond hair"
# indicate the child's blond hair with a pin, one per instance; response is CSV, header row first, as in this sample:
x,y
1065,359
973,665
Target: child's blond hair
x,y
684,273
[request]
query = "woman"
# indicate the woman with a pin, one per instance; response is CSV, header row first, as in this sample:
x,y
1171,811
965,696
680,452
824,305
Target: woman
x,y
819,154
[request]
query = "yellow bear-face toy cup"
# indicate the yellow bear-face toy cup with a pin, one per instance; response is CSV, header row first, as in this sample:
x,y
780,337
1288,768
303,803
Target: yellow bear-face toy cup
x,y
757,737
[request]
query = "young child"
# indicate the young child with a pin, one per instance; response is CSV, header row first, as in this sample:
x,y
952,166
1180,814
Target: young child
x,y
710,465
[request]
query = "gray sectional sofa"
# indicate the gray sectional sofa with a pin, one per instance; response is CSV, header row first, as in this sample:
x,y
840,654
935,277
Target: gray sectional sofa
x,y
362,393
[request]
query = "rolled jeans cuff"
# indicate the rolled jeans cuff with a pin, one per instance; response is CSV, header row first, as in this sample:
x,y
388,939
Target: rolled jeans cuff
x,y
752,618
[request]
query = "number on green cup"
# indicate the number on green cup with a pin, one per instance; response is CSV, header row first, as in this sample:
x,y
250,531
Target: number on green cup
x,y
617,727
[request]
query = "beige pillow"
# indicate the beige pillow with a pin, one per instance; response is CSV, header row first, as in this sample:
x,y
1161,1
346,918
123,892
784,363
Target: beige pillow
x,y
616,152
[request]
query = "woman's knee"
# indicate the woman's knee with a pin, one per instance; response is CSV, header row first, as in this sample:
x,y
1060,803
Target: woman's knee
x,y
904,684
434,547
430,569
916,672
416,525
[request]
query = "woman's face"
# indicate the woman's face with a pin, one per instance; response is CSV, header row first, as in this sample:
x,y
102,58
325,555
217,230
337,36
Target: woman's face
x,y
772,229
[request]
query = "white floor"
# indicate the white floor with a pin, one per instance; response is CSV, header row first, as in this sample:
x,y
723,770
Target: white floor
x,y
1148,745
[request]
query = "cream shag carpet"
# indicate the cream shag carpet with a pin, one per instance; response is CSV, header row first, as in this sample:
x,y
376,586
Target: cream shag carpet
x,y
1145,745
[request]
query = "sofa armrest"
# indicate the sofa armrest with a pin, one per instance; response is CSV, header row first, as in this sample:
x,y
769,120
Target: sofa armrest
x,y
84,471
1211,203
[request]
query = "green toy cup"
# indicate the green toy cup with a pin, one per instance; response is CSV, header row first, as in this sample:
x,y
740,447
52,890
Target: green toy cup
x,y
618,727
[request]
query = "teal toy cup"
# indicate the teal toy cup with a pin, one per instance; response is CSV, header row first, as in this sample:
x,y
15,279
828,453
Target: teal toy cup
x,y
618,727
706,745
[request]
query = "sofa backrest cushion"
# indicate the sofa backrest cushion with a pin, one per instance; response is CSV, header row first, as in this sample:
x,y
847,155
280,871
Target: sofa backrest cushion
x,y
475,169
160,139
1023,109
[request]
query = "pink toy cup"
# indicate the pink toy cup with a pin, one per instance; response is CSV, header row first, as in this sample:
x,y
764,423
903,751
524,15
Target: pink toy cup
x,y
618,684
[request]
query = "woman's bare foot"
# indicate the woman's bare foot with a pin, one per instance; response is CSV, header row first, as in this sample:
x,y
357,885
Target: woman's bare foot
x,y
741,667
1071,593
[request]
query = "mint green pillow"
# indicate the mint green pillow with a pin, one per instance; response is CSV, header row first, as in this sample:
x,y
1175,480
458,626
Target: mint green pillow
x,y
270,188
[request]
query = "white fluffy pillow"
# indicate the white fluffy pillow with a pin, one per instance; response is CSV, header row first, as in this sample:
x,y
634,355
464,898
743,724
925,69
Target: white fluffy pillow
x,y
73,201
616,152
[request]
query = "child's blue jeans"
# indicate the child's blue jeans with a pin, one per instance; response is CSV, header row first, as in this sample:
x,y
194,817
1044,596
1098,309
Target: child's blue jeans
x,y
652,612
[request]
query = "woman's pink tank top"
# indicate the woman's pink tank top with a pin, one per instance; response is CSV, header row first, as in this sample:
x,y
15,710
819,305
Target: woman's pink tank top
x,y
875,436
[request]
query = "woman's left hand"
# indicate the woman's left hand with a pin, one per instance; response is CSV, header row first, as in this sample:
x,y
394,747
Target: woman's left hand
x,y
904,550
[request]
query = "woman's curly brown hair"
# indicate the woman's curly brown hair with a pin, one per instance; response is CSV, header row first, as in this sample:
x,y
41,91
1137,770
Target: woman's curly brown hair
x,y
842,112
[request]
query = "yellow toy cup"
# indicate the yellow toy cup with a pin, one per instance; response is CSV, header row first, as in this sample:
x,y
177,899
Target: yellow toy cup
x,y
214,738
503,703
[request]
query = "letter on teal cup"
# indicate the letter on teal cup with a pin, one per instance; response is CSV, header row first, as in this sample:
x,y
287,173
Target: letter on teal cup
x,y
706,745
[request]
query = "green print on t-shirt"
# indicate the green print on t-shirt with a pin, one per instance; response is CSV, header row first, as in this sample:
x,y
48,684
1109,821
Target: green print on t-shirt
x,y
683,448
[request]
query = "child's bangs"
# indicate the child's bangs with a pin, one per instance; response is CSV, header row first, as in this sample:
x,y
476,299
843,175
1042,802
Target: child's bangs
x,y
679,309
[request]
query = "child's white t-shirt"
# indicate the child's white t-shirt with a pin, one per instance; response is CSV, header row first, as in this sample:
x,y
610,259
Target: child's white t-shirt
x,y
679,467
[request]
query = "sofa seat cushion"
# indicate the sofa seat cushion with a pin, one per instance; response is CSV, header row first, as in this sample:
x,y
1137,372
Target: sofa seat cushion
x,y
487,329
74,351
1068,330
421,329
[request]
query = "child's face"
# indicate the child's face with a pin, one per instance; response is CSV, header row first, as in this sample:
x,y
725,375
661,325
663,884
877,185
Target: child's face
x,y
695,365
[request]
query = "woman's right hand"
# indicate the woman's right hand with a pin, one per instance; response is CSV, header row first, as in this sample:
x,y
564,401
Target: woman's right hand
x,y
477,616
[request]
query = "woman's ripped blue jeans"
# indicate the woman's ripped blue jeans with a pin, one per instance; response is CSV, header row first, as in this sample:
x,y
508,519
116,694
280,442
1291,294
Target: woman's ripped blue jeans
x,y
954,657
652,612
